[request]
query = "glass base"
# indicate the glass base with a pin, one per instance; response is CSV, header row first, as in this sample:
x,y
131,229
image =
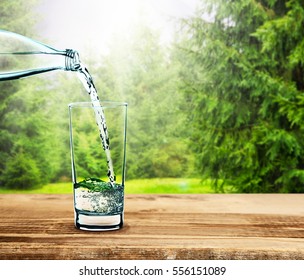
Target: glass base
x,y
95,222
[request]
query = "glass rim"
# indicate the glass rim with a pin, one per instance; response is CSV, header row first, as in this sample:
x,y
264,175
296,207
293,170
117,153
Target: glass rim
x,y
103,103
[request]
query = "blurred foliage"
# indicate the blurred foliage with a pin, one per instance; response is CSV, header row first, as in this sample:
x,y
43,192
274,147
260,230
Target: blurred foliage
x,y
34,112
225,101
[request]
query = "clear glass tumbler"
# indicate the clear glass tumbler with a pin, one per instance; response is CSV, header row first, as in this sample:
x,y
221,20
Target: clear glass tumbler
x,y
98,197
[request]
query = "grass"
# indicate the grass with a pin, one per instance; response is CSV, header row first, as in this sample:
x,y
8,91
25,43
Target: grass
x,y
167,185
138,186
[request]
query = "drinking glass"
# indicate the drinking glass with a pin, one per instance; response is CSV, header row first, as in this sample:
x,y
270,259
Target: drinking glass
x,y
98,201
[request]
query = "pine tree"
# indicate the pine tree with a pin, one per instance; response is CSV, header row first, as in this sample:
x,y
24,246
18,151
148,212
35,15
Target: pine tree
x,y
243,79
27,140
144,75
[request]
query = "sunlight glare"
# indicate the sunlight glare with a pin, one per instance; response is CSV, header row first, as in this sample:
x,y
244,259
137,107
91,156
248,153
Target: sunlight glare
x,y
92,24
120,14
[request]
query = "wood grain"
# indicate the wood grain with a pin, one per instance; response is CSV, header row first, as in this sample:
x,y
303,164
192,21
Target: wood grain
x,y
239,226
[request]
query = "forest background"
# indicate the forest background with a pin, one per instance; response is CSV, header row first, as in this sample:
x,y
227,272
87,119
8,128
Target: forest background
x,y
222,103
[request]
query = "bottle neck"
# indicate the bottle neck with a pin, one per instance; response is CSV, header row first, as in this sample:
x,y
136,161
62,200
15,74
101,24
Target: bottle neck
x,y
72,61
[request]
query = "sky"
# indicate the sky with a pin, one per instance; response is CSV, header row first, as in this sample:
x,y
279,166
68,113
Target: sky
x,y
90,24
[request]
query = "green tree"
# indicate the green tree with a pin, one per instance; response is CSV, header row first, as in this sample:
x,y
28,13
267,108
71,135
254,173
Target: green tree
x,y
243,78
13,15
21,172
145,76
28,123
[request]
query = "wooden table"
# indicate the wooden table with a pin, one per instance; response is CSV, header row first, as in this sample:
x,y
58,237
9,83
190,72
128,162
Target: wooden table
x,y
216,226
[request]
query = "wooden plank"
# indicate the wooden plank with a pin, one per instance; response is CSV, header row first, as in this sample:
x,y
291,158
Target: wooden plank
x,y
157,227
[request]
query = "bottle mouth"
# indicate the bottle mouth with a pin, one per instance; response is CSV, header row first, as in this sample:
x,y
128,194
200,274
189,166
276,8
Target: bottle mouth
x,y
72,61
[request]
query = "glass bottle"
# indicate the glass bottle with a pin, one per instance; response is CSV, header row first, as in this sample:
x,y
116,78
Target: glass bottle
x,y
21,57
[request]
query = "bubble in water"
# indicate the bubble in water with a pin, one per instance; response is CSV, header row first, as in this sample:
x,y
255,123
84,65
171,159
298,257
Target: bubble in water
x,y
99,197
